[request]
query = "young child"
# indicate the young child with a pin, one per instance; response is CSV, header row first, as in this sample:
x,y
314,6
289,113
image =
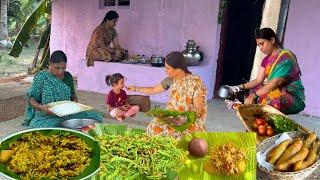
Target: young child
x,y
116,99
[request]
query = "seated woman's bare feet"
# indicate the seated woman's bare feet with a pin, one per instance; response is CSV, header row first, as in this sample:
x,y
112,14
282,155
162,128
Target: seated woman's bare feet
x,y
119,118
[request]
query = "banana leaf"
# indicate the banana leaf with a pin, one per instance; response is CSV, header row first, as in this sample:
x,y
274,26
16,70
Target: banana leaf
x,y
116,129
30,24
193,168
44,37
165,116
93,167
113,129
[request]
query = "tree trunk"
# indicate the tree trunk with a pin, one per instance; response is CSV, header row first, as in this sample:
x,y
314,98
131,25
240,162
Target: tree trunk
x,y
4,20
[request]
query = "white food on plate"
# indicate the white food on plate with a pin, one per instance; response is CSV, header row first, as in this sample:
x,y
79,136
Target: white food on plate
x,y
66,108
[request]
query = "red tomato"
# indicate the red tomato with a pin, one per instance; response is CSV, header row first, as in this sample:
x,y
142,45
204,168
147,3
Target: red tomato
x,y
255,126
262,130
269,131
85,129
268,126
260,121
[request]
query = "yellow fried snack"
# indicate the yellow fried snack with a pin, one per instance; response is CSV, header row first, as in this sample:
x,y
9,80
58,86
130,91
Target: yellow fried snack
x,y
271,153
292,149
299,156
309,161
279,150
308,141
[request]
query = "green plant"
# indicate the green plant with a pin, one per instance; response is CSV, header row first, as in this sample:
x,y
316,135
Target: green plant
x,y
282,123
39,21
18,12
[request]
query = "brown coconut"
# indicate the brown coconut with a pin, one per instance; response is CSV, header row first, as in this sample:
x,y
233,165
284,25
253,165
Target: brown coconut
x,y
198,147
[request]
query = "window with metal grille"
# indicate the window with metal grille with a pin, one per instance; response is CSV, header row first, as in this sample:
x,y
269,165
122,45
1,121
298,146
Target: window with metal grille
x,y
106,3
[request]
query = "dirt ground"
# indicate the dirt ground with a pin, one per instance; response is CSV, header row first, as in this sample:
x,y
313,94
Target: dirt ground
x,y
11,67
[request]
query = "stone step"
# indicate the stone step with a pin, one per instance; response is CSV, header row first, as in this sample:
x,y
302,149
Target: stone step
x,y
13,99
12,107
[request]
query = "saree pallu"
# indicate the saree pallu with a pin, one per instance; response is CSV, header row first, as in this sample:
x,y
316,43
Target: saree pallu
x,y
46,88
289,97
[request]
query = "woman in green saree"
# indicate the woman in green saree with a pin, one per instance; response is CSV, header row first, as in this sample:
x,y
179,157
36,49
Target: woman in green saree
x,y
283,89
54,84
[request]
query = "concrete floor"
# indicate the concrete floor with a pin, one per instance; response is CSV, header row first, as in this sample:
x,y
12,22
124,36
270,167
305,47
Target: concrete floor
x,y
219,117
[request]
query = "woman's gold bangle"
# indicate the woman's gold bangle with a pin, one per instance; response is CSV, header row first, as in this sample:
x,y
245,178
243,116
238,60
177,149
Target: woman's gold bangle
x,y
243,86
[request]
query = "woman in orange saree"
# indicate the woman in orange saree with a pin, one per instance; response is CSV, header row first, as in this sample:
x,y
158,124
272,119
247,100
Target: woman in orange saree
x,y
187,93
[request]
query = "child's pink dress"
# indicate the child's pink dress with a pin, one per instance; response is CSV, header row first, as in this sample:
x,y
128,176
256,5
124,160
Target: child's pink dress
x,y
118,100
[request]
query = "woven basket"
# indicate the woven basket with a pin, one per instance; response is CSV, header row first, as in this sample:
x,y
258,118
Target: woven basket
x,y
247,114
266,174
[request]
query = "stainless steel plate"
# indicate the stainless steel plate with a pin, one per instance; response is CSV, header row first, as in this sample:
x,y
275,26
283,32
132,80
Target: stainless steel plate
x,y
78,123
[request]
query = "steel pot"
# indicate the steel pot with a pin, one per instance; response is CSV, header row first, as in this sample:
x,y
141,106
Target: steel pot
x,y
192,54
225,92
157,61
77,124
143,60
191,43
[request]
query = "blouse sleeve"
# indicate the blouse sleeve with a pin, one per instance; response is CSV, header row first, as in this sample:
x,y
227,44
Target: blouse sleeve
x,y
264,62
166,83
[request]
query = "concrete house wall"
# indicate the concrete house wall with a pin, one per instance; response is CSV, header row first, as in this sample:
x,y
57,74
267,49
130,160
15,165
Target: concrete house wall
x,y
302,37
146,27
160,26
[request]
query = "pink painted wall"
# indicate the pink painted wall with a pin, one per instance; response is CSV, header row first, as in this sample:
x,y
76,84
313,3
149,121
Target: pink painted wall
x,y
146,27
137,75
302,37
160,26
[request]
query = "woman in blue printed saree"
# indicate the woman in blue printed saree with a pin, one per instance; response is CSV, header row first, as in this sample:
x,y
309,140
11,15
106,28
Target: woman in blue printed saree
x,y
283,89
54,84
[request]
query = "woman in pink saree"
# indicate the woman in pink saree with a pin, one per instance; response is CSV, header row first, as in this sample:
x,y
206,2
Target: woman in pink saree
x,y
283,89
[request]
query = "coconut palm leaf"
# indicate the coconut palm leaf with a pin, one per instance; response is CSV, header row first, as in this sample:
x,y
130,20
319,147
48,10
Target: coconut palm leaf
x,y
30,24
193,168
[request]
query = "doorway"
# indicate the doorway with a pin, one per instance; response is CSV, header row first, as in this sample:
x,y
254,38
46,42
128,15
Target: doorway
x,y
237,42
